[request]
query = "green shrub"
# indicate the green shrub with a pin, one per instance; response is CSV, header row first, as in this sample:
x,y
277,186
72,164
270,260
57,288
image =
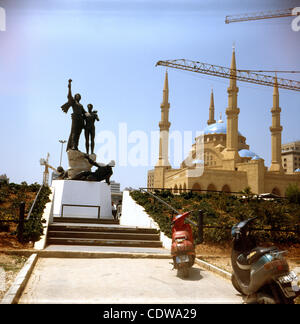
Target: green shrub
x,y
292,193
33,228
224,211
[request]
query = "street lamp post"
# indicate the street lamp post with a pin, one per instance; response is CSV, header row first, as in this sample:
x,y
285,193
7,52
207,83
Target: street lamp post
x,y
62,144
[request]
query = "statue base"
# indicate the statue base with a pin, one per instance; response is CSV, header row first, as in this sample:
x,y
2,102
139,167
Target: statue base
x,y
82,199
78,163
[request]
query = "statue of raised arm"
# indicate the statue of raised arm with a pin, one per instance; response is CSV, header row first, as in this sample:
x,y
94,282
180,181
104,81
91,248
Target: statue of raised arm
x,y
77,116
65,107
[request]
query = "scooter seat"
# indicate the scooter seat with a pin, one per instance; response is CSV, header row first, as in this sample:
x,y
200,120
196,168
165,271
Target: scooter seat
x,y
259,251
244,261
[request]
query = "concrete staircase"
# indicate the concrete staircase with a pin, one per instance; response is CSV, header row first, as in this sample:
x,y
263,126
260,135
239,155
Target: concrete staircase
x,y
83,231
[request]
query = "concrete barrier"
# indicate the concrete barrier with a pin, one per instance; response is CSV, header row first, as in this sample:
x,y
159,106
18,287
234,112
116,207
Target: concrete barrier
x,y
47,217
134,215
13,294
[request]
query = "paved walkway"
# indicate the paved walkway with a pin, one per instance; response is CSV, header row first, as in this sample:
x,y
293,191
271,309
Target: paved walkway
x,y
125,281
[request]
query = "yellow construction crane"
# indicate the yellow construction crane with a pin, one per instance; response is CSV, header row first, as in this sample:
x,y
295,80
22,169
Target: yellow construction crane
x,y
262,15
46,171
224,72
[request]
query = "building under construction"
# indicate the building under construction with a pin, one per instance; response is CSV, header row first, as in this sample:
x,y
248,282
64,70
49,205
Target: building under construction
x,y
228,163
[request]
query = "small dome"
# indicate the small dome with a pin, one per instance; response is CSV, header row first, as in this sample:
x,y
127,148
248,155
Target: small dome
x,y
256,157
297,170
217,128
197,161
248,153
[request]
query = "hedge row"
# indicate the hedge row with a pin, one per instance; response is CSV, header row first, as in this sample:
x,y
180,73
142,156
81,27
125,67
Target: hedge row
x,y
33,228
221,209
11,195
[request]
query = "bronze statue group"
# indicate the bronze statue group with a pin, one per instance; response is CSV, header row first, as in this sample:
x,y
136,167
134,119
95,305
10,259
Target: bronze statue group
x,y
82,119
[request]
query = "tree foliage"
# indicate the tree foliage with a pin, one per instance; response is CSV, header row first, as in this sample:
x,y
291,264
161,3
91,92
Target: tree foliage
x,y
11,196
223,211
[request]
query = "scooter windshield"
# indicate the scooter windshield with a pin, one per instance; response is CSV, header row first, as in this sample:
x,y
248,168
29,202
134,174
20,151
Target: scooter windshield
x,y
237,228
180,217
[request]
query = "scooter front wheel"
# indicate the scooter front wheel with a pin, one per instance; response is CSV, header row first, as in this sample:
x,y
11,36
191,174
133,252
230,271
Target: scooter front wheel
x,y
263,298
236,284
183,271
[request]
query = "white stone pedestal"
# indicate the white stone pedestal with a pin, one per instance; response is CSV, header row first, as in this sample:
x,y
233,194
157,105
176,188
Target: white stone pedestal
x,y
83,199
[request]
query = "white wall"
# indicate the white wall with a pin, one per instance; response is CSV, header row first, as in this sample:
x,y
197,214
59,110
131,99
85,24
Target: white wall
x,y
47,217
134,215
91,193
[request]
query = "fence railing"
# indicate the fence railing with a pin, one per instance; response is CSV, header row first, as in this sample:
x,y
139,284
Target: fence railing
x,y
238,193
201,227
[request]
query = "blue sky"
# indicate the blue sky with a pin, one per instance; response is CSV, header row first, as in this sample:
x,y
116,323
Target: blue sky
x,y
109,49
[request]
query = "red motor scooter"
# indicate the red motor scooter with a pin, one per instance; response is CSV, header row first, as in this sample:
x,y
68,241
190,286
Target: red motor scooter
x,y
183,248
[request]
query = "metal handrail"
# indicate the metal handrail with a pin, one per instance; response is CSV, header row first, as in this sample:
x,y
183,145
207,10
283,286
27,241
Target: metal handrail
x,y
35,199
166,204
210,191
160,200
256,229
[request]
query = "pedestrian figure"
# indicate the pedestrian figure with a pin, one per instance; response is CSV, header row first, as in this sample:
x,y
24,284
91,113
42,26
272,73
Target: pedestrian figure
x,y
119,209
114,210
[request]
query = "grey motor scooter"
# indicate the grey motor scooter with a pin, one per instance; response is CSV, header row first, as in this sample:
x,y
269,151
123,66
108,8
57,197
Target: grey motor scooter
x,y
261,274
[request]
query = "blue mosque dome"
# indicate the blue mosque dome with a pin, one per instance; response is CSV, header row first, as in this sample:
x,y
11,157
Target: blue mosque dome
x,y
221,128
217,128
248,153
256,157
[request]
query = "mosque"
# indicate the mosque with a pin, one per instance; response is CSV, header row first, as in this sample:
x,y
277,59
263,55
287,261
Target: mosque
x,y
226,162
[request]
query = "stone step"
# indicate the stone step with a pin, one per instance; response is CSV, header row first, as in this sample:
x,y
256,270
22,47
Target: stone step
x,y
102,235
104,242
85,220
100,232
100,228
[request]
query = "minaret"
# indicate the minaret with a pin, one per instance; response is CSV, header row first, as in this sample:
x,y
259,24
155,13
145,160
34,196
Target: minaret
x,y
276,130
211,119
232,112
164,126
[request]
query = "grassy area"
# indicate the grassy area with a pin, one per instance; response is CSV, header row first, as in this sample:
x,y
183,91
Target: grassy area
x,y
10,265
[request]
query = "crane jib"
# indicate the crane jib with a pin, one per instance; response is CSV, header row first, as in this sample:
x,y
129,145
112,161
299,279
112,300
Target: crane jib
x,y
224,72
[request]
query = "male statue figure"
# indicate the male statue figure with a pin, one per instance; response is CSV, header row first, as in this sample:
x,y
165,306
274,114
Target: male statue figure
x,y
78,116
89,128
